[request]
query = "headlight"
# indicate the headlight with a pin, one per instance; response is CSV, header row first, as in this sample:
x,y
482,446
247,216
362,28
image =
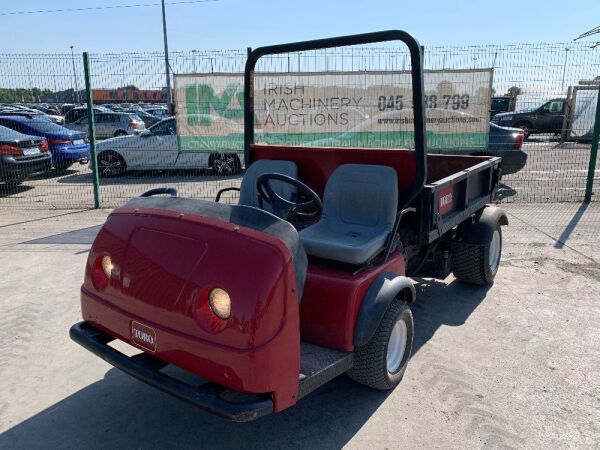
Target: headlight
x,y
220,303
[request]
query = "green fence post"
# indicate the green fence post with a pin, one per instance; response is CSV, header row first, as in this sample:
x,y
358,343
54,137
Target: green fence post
x,y
91,130
589,187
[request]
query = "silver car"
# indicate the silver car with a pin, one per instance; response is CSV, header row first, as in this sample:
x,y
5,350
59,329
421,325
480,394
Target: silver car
x,y
111,124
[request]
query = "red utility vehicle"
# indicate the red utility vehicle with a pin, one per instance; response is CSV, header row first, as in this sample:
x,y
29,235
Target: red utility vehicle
x,y
271,298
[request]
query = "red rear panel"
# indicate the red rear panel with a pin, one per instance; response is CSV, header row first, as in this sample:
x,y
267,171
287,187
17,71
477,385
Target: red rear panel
x,y
332,299
164,266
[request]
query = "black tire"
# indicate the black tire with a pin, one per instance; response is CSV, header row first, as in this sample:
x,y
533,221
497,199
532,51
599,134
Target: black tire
x,y
120,133
111,164
526,127
370,361
471,263
225,164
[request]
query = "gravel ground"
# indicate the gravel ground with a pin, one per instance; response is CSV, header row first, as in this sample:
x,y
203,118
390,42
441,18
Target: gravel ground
x,y
512,366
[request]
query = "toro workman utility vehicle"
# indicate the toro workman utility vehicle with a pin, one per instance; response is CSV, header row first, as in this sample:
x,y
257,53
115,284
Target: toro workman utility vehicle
x,y
305,279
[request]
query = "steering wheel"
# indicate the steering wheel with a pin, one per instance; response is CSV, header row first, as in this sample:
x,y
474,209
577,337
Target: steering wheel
x,y
286,209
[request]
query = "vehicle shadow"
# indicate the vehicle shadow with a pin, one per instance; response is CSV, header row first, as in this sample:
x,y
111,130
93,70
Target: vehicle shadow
x,y
54,173
121,412
8,190
149,177
505,191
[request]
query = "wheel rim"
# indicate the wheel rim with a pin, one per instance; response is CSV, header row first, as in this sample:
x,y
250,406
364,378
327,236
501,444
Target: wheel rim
x,y
494,256
110,164
224,164
396,346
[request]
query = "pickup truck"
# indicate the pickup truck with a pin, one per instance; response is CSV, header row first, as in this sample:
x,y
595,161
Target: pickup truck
x,y
545,118
306,278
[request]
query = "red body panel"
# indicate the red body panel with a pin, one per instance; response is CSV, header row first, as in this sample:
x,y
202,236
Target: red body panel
x,y
316,164
161,280
332,299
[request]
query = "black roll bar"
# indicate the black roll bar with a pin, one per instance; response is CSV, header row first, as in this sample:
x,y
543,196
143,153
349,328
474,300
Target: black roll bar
x,y
416,59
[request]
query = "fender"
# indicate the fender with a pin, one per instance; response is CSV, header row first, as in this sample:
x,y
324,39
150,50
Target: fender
x,y
480,231
380,294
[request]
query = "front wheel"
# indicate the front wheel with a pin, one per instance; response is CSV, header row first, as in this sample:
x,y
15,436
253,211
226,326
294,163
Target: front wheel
x,y
478,264
381,363
110,164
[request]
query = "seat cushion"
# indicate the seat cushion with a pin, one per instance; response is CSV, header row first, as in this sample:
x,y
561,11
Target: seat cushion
x,y
248,191
352,246
359,209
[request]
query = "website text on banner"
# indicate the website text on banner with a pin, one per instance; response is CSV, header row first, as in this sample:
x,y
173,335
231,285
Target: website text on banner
x,y
357,109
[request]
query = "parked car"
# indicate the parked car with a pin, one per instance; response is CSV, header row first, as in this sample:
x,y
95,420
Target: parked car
x,y
157,149
502,103
148,118
111,124
78,112
66,146
65,108
545,118
21,155
507,143
161,113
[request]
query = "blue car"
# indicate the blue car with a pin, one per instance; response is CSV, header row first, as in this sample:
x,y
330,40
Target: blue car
x,y
67,146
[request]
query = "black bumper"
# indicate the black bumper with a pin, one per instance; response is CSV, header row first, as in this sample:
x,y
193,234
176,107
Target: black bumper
x,y
19,168
210,397
512,160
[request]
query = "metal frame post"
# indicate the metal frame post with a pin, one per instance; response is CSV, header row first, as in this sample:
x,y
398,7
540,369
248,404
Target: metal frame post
x,y
91,130
166,45
589,187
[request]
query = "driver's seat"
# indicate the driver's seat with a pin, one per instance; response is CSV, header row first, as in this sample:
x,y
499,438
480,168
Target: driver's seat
x,y
247,189
360,204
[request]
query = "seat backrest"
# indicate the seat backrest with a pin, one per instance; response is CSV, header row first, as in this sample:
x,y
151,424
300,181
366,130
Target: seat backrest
x,y
248,191
362,197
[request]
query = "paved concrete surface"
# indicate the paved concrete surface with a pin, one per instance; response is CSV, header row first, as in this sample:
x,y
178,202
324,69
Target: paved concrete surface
x,y
554,172
513,366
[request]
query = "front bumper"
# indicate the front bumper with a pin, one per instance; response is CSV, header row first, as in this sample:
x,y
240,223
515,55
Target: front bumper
x,y
210,397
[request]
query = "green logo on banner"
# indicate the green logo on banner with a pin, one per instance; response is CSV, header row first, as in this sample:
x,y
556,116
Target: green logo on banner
x,y
202,101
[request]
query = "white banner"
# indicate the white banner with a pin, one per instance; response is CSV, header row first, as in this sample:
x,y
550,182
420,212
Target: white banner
x,y
363,109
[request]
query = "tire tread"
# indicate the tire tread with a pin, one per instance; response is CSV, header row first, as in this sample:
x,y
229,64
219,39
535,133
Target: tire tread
x,y
370,366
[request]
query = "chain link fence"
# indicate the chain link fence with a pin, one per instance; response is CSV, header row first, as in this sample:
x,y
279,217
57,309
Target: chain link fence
x,y
539,78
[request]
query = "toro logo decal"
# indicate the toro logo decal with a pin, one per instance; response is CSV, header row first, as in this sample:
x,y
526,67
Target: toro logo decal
x,y
143,336
446,200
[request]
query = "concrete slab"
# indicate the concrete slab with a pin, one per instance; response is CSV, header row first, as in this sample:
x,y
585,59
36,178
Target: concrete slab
x,y
514,365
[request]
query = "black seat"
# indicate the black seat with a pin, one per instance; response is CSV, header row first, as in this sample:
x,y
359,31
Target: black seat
x,y
359,209
248,191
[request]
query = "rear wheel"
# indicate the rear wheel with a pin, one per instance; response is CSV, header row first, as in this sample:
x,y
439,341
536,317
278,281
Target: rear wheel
x,y
225,164
381,363
478,264
110,164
